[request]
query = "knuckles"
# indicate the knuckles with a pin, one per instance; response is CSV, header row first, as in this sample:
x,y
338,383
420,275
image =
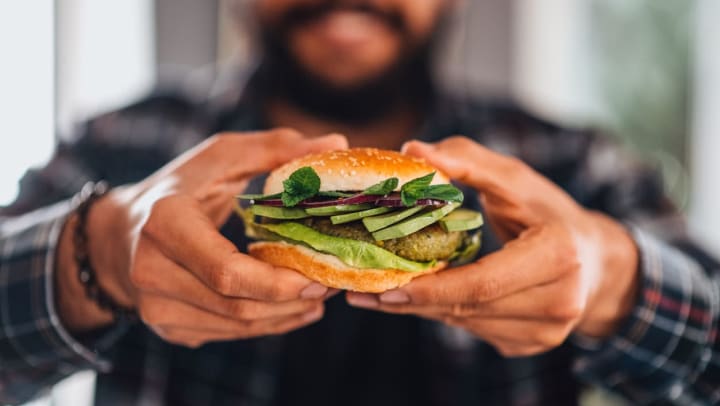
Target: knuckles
x,y
457,143
550,337
488,289
565,311
285,133
461,145
141,279
563,248
142,276
519,351
162,212
537,342
277,292
149,313
182,341
222,279
265,138
240,310
569,306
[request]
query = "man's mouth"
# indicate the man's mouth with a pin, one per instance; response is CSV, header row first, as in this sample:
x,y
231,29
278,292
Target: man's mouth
x,y
346,21
347,27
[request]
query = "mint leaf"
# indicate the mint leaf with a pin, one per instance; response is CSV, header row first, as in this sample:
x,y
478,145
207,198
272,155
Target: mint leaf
x,y
448,193
382,188
415,189
302,184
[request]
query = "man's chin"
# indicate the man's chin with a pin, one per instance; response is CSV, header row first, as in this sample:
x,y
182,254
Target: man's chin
x,y
341,81
347,92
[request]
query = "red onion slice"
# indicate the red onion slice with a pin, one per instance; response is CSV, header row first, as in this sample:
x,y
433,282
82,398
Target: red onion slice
x,y
391,200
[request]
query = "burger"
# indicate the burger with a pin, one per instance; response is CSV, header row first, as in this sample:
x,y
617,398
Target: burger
x,y
361,219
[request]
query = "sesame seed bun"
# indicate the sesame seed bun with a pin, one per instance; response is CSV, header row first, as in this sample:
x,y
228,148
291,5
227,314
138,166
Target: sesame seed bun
x,y
355,169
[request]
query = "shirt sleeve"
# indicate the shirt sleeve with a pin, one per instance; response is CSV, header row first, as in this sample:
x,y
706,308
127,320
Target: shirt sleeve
x,y
35,349
667,351
119,147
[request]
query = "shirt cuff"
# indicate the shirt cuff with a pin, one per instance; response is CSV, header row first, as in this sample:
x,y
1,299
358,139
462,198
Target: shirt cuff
x,y
666,342
32,336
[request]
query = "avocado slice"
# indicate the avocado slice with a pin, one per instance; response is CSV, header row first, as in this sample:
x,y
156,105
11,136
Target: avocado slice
x,y
461,220
355,253
346,218
414,223
282,213
469,250
377,222
333,210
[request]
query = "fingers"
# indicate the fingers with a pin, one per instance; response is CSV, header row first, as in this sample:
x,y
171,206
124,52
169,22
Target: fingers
x,y
185,235
458,156
153,271
222,167
525,196
510,336
260,152
552,302
539,256
193,338
496,176
157,310
186,325
516,337
222,164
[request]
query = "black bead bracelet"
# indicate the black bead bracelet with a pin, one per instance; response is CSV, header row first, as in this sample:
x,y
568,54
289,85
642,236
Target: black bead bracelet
x,y
84,201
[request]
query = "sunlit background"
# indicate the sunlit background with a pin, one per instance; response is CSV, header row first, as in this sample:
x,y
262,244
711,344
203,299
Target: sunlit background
x,y
647,71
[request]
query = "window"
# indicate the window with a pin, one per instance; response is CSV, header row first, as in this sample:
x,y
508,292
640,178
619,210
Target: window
x,y
27,83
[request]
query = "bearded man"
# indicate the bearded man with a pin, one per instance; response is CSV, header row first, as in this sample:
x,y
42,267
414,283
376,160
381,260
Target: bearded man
x,y
586,276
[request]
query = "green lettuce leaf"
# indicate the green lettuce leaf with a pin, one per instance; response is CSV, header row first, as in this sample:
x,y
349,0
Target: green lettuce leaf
x,y
355,253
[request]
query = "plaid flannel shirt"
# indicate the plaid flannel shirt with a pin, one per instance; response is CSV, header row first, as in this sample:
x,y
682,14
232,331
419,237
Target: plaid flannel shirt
x,y
666,352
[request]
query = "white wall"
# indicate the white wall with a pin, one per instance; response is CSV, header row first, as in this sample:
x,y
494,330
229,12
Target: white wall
x,y
705,206
105,55
551,64
26,95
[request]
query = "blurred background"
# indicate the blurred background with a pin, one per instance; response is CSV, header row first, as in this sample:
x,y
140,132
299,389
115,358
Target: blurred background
x,y
648,71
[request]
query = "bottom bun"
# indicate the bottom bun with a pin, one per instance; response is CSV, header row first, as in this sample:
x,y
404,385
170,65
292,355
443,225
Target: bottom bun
x,y
330,271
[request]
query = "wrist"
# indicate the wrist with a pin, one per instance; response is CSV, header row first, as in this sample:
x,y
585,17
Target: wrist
x,y
108,248
102,239
77,312
618,280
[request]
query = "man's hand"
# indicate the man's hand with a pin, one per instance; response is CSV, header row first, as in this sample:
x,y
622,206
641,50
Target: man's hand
x,y
562,269
156,247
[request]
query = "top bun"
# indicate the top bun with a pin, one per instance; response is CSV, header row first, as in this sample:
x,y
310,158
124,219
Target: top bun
x,y
355,169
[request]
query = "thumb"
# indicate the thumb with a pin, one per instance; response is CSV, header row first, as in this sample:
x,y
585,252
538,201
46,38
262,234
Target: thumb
x,y
465,161
509,186
253,154
329,142
264,151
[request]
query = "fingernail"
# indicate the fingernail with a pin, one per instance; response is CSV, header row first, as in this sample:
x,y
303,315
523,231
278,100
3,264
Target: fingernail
x,y
332,292
395,297
406,145
362,300
313,315
313,291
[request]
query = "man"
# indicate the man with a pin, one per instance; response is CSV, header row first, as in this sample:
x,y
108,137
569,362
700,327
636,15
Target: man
x,y
573,296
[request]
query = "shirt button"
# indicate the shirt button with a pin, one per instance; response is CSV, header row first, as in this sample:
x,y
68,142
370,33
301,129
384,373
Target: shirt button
x,y
706,355
676,390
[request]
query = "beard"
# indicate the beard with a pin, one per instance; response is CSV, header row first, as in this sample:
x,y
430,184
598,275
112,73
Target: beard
x,y
405,83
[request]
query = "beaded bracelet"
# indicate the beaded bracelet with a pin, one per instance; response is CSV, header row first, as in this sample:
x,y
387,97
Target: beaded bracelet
x,y
87,276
